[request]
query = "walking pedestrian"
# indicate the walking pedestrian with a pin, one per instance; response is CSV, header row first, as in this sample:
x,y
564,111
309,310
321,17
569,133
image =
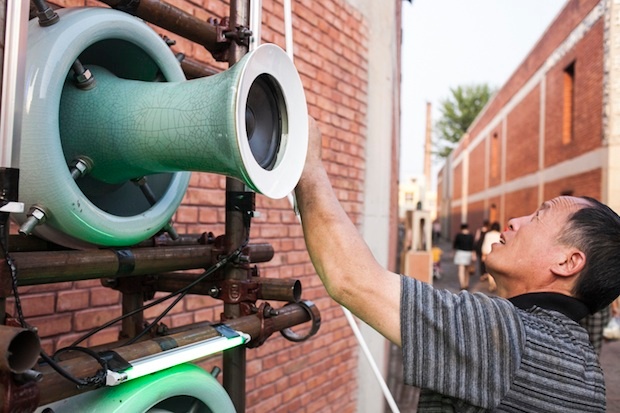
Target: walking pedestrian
x,y
463,247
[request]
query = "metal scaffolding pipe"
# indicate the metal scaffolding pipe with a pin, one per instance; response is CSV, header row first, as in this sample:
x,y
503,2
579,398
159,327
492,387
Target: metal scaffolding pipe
x,y
19,349
286,290
70,265
194,69
237,232
175,20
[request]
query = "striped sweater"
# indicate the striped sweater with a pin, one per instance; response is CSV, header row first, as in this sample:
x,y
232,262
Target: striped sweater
x,y
475,353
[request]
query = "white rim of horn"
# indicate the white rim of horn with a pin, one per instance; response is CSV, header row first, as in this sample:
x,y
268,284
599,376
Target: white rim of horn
x,y
278,182
71,218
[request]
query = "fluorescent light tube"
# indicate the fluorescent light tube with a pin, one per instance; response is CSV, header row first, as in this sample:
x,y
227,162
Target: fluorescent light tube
x,y
160,361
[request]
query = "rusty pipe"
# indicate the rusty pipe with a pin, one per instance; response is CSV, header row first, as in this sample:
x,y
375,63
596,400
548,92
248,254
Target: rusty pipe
x,y
279,289
53,387
287,290
175,20
58,266
21,243
19,347
237,230
194,69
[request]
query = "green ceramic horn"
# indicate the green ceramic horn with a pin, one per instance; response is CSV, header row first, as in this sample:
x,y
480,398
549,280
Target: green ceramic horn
x,y
142,118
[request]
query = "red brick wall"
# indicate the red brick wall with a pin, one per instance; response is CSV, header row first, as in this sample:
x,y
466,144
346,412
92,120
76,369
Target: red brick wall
x,y
522,137
519,203
586,184
588,101
455,222
475,215
457,181
317,375
477,168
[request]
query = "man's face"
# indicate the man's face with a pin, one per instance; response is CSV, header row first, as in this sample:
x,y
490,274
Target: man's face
x,y
529,246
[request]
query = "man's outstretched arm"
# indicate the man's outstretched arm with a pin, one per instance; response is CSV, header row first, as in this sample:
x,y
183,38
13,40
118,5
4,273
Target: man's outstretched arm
x,y
339,254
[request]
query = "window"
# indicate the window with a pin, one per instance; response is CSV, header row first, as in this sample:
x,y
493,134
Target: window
x,y
568,104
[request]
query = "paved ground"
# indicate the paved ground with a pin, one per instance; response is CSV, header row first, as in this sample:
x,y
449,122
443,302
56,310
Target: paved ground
x,y
406,396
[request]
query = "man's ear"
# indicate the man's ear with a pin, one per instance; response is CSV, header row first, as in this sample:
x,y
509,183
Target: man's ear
x,y
570,263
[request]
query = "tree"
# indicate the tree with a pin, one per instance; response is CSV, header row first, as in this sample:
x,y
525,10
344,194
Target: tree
x,y
458,111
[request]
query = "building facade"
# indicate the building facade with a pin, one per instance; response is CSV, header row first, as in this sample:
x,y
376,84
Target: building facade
x,y
550,130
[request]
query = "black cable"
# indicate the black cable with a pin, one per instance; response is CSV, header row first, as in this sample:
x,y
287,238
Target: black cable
x,y
183,291
97,380
18,302
157,319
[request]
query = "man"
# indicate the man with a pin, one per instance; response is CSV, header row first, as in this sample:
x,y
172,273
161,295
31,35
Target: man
x,y
524,352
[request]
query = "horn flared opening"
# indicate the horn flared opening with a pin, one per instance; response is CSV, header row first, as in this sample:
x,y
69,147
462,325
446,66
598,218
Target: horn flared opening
x,y
273,163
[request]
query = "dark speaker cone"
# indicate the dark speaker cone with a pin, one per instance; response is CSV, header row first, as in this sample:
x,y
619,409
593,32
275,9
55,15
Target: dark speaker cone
x,y
263,120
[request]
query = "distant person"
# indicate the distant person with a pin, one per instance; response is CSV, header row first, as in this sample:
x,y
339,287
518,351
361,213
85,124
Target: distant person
x,y
611,331
595,324
437,253
478,240
520,351
436,231
491,237
463,246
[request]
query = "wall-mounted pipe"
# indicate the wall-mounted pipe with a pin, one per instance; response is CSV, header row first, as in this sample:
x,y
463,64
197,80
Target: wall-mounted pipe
x,y
46,267
175,20
19,348
194,69
287,290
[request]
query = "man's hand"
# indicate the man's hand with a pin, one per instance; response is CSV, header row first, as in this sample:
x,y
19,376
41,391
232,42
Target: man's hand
x,y
315,148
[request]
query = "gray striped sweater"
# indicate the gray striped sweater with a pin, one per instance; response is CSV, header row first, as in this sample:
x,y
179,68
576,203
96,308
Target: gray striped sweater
x,y
475,353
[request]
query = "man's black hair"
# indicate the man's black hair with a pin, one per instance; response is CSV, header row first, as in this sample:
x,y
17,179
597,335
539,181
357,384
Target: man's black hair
x,y
595,230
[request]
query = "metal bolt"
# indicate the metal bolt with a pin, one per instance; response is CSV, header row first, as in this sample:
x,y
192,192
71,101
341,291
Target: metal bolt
x,y
80,167
214,292
31,375
36,216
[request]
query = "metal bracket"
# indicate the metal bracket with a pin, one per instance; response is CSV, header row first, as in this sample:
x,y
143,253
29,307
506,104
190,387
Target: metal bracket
x,y
18,397
241,35
237,291
224,34
243,202
267,327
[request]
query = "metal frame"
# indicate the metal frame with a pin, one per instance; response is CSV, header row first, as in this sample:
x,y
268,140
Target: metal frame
x,y
236,283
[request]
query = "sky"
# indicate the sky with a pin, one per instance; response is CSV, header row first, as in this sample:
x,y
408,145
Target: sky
x,y
449,43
